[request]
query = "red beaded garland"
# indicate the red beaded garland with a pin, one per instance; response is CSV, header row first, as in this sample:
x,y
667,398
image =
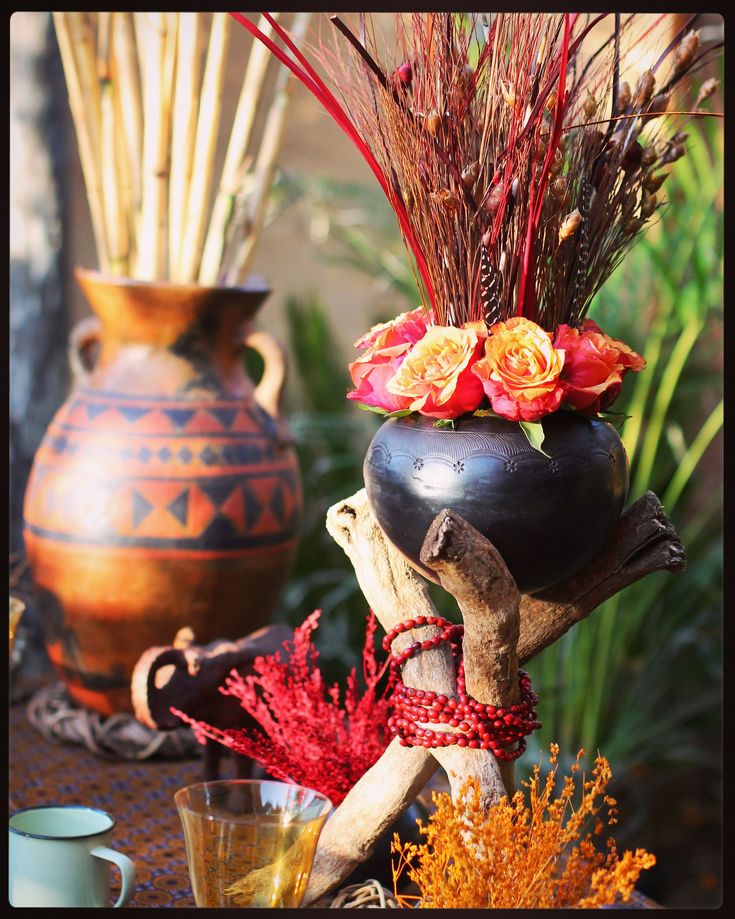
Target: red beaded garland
x,y
486,727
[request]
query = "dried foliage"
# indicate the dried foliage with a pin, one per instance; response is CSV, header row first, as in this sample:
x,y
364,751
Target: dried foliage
x,y
306,736
531,852
520,165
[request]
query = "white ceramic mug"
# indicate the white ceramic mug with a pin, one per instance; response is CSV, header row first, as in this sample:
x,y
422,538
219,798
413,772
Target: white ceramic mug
x,y
58,856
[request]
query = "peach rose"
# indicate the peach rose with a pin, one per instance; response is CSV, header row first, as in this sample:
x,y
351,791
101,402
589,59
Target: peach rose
x,y
385,346
436,376
594,366
520,370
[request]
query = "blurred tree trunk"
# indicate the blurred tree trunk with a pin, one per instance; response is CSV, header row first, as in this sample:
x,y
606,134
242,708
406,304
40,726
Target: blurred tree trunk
x,y
39,375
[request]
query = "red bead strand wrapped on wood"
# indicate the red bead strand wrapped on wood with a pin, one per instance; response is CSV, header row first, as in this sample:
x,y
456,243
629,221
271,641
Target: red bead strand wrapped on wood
x,y
478,726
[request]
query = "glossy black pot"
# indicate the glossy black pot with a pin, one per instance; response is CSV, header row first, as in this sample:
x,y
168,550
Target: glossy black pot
x,y
546,517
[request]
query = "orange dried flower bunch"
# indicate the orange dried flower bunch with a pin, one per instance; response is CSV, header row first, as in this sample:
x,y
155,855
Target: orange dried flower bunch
x,y
533,852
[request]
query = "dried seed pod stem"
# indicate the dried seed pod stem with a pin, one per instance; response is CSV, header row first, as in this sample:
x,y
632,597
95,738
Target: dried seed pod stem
x,y
569,225
466,158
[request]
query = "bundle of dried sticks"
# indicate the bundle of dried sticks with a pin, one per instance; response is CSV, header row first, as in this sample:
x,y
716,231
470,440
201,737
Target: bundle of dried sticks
x,y
146,95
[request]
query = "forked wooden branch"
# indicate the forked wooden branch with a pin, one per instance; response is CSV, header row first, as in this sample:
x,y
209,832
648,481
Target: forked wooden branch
x,y
644,541
473,571
502,629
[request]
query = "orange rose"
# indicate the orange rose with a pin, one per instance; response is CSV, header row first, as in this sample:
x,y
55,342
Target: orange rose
x,y
520,370
436,376
594,366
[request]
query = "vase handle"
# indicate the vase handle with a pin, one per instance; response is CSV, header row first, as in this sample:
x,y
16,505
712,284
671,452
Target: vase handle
x,y
85,333
269,391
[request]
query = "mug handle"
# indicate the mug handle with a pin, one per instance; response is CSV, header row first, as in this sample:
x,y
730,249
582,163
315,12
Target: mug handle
x,y
127,871
269,391
85,333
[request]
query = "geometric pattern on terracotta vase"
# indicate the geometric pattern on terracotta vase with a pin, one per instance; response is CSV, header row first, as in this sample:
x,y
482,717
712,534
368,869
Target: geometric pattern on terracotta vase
x,y
161,474
111,412
220,512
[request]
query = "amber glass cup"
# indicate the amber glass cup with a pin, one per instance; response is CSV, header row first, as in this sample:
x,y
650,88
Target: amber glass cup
x,y
250,843
16,610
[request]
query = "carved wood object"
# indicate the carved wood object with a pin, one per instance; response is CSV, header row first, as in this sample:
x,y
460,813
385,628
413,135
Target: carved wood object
x,y
188,677
503,629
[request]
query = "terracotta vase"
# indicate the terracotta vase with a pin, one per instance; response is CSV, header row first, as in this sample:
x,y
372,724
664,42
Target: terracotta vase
x,y
165,492
546,515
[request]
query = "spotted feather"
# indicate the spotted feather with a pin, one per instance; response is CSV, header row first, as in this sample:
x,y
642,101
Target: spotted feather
x,y
490,287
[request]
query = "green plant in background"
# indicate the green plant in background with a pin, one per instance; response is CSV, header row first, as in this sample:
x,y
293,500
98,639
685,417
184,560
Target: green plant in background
x,y
361,232
641,678
331,441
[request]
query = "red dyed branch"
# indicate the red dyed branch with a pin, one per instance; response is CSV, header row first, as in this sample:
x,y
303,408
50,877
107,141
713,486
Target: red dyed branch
x,y
313,82
526,283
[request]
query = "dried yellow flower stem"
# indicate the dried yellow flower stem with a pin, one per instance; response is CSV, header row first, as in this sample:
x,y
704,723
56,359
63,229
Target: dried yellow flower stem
x,y
104,46
115,194
84,38
147,127
151,35
67,26
117,227
184,123
265,165
128,86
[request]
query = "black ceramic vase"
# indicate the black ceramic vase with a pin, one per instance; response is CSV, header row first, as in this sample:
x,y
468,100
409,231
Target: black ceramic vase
x,y
546,517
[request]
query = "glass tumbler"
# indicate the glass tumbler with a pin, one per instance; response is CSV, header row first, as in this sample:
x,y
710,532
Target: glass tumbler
x,y
15,611
250,843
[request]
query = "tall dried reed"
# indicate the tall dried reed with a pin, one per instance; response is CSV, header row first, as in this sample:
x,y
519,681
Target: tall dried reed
x,y
520,165
146,92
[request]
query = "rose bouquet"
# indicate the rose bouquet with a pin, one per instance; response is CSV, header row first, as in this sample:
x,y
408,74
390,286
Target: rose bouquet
x,y
516,368
523,154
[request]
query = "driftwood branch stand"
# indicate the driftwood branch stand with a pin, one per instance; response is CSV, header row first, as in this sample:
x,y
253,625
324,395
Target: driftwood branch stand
x,y
503,630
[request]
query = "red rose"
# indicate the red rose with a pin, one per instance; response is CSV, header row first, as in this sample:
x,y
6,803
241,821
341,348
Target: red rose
x,y
386,346
406,327
594,366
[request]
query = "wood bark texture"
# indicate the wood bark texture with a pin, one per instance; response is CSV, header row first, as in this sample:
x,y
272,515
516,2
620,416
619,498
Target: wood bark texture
x,y
502,630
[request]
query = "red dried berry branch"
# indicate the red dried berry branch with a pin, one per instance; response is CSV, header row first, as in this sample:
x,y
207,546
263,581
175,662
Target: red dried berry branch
x,y
304,735
313,82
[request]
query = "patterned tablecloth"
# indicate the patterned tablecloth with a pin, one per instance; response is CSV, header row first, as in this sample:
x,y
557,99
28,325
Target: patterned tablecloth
x,y
138,794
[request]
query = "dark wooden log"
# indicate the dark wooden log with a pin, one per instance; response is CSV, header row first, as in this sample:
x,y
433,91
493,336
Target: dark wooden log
x,y
473,571
188,677
502,629
645,541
